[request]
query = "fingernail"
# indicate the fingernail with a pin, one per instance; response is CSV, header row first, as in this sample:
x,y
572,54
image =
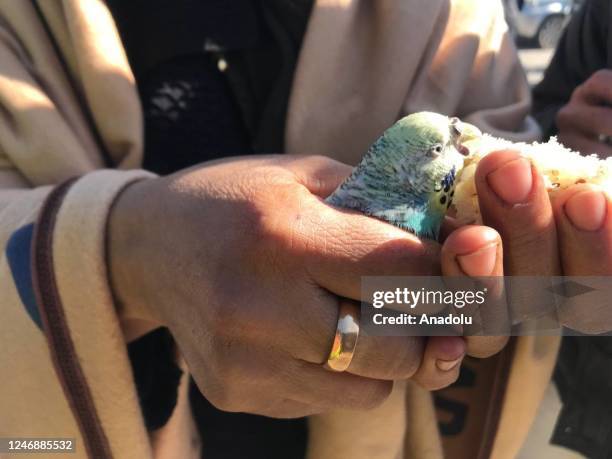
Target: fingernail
x,y
512,181
479,263
448,365
586,210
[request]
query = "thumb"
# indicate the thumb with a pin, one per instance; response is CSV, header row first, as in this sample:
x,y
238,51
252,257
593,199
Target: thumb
x,y
476,251
321,175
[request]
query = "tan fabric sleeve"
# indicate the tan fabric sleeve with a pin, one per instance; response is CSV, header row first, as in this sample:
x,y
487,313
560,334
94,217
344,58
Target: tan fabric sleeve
x,y
44,135
45,139
82,328
38,397
476,74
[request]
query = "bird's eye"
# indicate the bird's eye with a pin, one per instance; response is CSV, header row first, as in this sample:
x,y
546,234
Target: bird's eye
x,y
436,150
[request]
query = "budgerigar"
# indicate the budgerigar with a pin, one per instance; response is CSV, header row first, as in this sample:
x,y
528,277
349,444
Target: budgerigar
x,y
407,176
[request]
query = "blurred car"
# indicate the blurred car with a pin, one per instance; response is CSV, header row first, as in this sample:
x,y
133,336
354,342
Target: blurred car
x,y
542,21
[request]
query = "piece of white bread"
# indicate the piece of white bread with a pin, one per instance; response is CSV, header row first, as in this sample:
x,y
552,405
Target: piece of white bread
x,y
560,167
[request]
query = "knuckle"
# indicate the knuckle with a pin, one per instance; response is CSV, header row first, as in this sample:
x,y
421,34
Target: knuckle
x,y
393,358
564,116
404,361
224,399
265,229
589,85
409,358
597,85
530,238
578,93
600,78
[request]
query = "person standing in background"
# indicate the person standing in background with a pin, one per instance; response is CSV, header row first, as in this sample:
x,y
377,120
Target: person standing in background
x,y
574,103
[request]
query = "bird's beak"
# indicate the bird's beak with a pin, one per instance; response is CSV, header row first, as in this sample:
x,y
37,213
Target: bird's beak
x,y
461,133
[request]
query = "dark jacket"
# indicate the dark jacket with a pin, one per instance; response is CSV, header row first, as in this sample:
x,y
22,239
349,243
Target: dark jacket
x,y
584,369
584,48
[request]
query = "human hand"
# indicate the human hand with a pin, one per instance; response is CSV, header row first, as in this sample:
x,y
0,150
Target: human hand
x,y
473,251
571,236
588,115
245,264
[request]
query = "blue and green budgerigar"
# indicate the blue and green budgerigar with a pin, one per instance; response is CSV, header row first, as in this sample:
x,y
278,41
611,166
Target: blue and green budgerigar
x,y
407,176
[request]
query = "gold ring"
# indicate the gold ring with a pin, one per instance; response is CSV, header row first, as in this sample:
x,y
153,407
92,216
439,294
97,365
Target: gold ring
x,y
345,339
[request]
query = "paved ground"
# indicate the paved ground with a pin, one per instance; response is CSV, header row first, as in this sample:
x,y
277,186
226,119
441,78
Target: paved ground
x,y
535,62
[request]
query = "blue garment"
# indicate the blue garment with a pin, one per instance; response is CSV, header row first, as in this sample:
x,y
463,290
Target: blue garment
x,y
19,256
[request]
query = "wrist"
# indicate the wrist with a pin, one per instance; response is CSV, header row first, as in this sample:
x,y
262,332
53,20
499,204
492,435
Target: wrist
x,y
126,260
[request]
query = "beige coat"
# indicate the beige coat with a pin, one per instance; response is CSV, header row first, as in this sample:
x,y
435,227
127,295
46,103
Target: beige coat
x,y
69,108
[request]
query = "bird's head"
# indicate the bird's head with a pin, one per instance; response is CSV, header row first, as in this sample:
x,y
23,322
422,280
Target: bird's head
x,y
429,149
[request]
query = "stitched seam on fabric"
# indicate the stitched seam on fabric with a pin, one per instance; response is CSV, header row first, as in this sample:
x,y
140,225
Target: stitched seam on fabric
x,y
61,346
